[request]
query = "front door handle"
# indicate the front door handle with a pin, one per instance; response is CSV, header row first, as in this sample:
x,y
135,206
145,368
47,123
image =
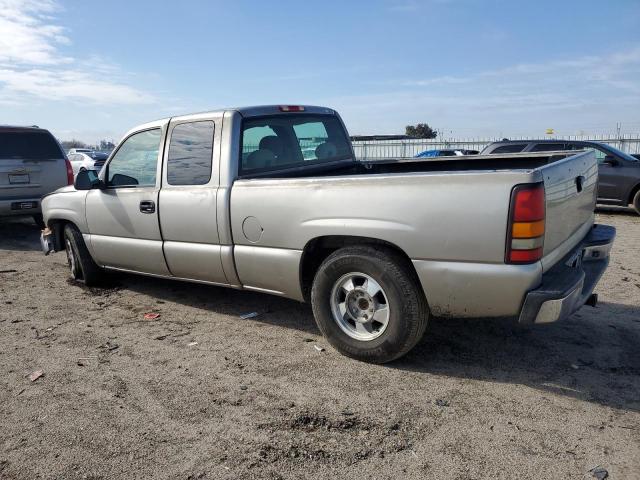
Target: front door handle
x,y
147,206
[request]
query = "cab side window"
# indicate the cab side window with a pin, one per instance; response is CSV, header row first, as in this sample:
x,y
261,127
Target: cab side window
x,y
136,161
190,154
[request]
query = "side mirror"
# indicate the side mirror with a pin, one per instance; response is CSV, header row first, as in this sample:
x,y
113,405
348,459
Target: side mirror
x,y
87,180
610,160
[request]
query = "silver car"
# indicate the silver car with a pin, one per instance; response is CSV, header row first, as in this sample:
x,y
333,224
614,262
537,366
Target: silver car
x,y
271,199
32,164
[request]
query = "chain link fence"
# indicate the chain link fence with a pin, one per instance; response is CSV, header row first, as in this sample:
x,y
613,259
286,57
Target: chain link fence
x,y
380,149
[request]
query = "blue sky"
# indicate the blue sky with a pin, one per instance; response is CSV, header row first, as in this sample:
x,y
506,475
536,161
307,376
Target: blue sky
x,y
93,69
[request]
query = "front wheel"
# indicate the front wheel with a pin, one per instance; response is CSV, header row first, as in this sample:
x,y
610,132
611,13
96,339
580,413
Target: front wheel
x,y
368,303
83,268
636,202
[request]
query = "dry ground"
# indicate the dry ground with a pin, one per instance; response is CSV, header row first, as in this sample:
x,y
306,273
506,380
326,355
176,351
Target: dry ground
x,y
124,397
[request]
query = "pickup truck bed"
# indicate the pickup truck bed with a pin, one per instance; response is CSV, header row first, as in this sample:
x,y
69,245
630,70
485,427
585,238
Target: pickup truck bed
x,y
278,204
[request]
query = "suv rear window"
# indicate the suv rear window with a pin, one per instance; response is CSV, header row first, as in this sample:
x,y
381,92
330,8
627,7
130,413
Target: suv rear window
x,y
510,148
29,145
291,140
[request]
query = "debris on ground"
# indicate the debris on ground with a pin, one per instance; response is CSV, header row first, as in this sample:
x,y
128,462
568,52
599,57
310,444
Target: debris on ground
x,y
249,315
574,366
192,344
160,337
109,346
599,472
36,375
8,271
308,340
243,387
151,316
318,348
441,403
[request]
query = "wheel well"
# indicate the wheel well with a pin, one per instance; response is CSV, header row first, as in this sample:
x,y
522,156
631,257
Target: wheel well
x,y
57,227
318,249
634,190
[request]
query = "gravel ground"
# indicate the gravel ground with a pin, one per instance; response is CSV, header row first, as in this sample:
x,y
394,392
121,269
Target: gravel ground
x,y
202,393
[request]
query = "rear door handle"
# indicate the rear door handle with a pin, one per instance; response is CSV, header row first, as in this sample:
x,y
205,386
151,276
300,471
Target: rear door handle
x,y
147,206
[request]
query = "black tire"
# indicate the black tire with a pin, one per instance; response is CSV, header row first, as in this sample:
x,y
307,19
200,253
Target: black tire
x,y
83,268
39,220
636,202
408,310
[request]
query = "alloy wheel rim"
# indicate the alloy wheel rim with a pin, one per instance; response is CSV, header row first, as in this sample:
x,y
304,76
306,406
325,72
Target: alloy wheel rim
x,y
359,306
71,259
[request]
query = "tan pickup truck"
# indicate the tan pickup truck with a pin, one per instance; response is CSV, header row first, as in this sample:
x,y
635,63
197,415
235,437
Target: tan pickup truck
x,y
272,199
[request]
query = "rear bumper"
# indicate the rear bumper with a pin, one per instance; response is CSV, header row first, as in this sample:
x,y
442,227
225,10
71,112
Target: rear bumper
x,y
20,206
568,285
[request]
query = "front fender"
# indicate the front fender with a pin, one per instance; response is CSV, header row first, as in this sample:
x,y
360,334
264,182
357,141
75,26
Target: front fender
x,y
66,204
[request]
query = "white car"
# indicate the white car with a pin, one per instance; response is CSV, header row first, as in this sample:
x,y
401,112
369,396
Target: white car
x,y
87,161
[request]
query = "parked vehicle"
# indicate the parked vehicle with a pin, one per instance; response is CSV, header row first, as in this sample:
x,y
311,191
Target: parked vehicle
x,y
619,172
32,164
445,153
228,198
87,161
79,150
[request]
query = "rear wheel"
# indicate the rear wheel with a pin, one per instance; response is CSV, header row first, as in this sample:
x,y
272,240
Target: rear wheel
x,y
82,267
368,303
636,202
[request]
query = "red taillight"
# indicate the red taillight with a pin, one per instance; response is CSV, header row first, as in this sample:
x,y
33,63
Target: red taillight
x,y
525,234
69,171
291,108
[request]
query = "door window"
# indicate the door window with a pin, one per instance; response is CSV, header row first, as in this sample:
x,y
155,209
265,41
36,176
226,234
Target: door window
x,y
136,161
600,154
190,153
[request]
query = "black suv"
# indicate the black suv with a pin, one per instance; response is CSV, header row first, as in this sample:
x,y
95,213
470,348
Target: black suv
x,y
619,172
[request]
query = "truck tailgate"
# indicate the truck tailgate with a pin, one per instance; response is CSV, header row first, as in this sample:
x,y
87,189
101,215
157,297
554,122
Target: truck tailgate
x,y
571,186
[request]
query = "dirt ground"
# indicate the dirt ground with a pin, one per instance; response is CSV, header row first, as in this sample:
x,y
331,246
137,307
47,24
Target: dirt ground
x,y
125,397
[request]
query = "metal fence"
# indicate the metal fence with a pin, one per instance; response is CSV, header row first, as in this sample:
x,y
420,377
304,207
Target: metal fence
x,y
379,149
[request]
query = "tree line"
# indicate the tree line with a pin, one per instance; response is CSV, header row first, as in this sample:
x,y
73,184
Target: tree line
x,y
103,145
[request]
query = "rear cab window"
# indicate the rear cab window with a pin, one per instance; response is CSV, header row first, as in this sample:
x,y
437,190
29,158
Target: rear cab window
x,y
29,145
285,141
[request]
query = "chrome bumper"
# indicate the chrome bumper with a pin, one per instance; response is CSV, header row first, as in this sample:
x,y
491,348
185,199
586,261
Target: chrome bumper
x,y
570,283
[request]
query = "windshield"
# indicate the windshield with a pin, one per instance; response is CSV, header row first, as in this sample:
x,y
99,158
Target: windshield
x,y
29,145
98,155
293,140
620,153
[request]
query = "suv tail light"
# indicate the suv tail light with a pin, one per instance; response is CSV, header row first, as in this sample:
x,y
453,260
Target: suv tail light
x,y
525,235
69,171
